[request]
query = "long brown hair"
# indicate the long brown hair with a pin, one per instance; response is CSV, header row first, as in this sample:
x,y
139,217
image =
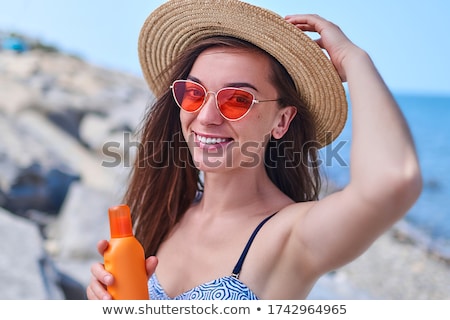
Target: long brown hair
x,y
164,182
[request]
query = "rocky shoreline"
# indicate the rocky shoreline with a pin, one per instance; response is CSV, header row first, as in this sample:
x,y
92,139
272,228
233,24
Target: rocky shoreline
x,y
56,114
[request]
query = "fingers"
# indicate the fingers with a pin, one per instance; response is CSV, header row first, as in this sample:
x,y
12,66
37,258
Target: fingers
x,y
99,280
336,44
331,32
95,291
307,22
102,245
150,265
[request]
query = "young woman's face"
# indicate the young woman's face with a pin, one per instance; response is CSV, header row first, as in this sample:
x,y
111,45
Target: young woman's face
x,y
215,142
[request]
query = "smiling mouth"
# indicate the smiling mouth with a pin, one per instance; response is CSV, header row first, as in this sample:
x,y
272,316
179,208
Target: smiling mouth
x,y
212,140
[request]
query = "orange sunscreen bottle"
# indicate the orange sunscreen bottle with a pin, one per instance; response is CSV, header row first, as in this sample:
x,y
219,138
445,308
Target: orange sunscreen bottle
x,y
124,258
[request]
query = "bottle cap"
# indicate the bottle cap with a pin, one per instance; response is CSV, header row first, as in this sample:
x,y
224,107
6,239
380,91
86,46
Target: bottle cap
x,y
120,221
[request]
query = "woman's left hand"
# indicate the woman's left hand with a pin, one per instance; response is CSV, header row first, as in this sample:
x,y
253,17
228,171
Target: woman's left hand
x,y
332,39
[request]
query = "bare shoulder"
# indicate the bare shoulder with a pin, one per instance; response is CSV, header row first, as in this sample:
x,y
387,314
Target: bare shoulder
x,y
276,235
278,263
293,214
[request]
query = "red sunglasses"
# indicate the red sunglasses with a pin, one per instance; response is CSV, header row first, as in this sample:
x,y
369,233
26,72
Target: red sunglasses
x,y
232,103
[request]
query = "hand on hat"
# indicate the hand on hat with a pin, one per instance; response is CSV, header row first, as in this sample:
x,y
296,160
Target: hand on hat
x,y
332,39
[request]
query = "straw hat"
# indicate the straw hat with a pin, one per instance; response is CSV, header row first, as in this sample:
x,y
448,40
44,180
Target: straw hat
x,y
177,24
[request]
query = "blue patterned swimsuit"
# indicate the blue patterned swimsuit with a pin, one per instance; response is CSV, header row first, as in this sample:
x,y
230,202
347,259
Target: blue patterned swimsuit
x,y
225,288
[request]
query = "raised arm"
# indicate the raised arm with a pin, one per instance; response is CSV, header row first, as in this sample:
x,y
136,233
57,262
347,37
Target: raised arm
x,y
385,177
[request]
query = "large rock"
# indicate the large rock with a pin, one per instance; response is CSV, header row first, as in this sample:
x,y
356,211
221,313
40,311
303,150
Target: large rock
x,y
21,249
66,149
83,221
14,96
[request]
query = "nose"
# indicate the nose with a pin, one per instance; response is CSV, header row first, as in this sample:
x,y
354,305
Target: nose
x,y
209,114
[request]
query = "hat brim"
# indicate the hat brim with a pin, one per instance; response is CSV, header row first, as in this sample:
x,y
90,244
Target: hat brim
x,y
177,24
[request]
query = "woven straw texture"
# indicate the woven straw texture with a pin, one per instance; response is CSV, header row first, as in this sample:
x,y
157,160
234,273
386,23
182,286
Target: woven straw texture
x,y
177,24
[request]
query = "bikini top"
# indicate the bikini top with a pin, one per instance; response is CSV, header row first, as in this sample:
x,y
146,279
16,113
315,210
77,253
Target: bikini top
x,y
225,288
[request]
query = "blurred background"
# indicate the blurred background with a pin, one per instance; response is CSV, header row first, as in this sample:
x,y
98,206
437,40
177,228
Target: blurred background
x,y
72,95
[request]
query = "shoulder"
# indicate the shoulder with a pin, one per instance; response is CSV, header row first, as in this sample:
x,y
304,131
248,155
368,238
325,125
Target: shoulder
x,y
294,213
275,236
276,253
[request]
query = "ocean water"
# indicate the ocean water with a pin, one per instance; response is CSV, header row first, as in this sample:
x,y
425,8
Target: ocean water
x,y
428,117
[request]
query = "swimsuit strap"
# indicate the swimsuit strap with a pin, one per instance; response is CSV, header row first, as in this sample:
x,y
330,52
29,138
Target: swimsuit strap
x,y
238,267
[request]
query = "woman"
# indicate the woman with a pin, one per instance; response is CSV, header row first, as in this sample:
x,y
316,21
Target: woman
x,y
225,198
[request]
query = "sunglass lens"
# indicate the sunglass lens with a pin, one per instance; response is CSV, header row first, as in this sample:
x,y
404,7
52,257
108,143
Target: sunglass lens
x,y
188,95
234,103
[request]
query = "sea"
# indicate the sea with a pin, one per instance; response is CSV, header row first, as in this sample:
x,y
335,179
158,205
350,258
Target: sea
x,y
428,222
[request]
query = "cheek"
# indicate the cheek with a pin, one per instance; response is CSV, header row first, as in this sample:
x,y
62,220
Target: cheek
x,y
185,121
261,124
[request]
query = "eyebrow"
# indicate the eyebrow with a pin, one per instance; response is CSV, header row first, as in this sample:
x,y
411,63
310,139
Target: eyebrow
x,y
231,84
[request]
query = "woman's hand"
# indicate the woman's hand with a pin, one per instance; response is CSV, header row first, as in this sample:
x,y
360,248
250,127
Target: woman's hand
x,y
332,39
101,278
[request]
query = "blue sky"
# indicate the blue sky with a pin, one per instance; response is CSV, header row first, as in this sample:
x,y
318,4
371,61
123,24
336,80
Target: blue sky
x,y
408,40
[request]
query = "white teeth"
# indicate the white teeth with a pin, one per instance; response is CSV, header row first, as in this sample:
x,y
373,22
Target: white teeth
x,y
206,140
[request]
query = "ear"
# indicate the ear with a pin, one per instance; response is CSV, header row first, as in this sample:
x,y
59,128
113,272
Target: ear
x,y
283,120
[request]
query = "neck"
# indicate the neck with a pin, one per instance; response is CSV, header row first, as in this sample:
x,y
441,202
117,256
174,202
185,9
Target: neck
x,y
246,190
